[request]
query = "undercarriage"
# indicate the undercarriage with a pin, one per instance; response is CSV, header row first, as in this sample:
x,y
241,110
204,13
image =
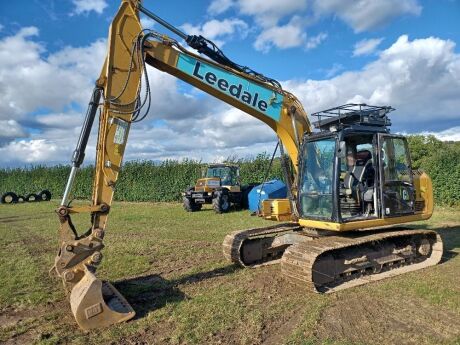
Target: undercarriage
x,y
324,262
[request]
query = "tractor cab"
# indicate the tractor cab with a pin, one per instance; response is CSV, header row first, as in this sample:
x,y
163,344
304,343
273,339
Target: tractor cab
x,y
227,174
353,169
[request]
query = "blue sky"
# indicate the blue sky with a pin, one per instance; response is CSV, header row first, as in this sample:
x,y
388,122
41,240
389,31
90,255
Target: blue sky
x,y
403,53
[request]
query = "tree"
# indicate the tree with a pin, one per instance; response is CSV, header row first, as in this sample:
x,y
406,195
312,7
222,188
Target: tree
x,y
422,147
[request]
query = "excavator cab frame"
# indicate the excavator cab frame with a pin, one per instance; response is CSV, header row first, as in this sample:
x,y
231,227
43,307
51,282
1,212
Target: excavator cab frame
x,y
365,193
377,185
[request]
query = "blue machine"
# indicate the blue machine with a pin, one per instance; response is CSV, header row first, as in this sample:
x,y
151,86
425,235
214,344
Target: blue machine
x,y
273,189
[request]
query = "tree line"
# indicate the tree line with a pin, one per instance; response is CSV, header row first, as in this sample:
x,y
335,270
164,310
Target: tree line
x,y
151,181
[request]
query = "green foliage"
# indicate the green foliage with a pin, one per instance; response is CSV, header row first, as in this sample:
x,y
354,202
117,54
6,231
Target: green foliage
x,y
149,181
423,147
254,170
444,169
441,160
138,180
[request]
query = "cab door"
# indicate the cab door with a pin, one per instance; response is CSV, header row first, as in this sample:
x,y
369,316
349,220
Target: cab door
x,y
397,190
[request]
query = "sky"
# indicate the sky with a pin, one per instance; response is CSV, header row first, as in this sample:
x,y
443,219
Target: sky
x,y
403,53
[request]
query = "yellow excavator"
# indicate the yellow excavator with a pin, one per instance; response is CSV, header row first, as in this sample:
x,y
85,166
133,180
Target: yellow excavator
x,y
350,182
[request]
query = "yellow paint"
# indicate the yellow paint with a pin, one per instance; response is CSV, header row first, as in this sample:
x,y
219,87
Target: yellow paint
x,y
276,209
362,224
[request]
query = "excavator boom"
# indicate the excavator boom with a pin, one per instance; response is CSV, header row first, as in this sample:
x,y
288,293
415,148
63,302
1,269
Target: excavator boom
x,y
323,200
119,99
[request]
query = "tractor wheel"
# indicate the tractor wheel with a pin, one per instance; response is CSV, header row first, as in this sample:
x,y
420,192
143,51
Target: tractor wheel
x,y
32,197
190,205
45,195
9,198
21,199
221,202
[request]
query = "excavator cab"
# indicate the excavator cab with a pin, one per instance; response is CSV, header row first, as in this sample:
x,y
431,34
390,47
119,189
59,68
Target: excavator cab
x,y
354,169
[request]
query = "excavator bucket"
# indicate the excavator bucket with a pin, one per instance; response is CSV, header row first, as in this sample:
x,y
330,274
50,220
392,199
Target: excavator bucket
x,y
96,303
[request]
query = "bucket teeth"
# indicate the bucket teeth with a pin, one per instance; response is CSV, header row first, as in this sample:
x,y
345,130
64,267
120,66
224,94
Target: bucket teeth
x,y
97,304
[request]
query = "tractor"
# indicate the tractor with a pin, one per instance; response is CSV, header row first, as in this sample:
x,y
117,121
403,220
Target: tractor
x,y
220,186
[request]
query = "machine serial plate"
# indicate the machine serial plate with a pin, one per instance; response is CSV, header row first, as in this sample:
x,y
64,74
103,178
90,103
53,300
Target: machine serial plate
x,y
120,132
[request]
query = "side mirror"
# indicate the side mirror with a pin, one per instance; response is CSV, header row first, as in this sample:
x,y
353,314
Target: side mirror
x,y
342,150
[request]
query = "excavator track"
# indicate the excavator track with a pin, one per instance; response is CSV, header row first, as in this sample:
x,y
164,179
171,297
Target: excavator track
x,y
253,247
333,263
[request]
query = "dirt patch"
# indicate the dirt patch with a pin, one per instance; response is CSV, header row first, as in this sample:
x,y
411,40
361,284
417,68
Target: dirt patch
x,y
29,325
10,317
14,219
277,327
364,319
19,325
177,263
278,319
36,246
266,290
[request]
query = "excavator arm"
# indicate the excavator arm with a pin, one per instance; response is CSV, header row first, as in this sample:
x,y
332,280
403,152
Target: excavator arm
x,y
122,99
311,250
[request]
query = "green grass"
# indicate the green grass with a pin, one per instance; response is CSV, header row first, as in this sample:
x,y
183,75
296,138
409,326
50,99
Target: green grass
x,y
169,265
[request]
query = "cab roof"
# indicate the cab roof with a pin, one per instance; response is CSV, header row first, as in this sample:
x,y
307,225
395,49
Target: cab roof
x,y
353,115
222,165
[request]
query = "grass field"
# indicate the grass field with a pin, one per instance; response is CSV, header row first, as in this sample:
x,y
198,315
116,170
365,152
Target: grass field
x,y
168,264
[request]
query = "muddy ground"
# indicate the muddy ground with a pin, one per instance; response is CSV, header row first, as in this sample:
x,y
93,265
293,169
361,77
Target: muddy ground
x,y
185,293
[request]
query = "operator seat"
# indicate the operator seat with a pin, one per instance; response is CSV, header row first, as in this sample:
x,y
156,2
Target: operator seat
x,y
359,170
358,182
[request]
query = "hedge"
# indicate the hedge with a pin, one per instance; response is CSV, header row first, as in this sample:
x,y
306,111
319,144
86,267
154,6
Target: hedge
x,y
149,181
138,180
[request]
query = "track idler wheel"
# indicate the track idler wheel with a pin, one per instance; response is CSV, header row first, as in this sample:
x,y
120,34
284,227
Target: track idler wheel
x,y
97,304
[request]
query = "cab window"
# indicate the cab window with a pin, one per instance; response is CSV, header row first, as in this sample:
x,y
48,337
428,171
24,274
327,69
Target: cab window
x,y
316,178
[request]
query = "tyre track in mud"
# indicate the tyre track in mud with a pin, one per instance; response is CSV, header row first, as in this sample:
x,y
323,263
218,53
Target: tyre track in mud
x,y
387,321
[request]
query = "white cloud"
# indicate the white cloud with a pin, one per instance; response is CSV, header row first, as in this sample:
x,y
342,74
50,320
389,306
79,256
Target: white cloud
x,y
220,6
218,30
30,152
363,15
10,129
283,24
286,36
147,23
198,126
86,6
451,134
336,68
366,46
291,35
315,41
223,132
268,12
85,61
60,120
52,82
421,78
171,103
